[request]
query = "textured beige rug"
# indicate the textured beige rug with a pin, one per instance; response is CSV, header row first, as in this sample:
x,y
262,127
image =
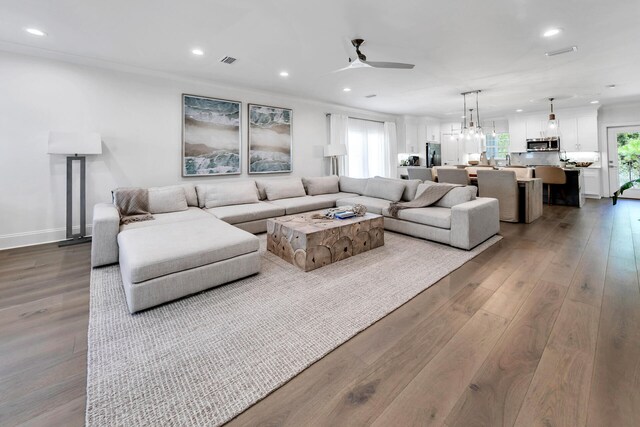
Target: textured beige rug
x,y
204,359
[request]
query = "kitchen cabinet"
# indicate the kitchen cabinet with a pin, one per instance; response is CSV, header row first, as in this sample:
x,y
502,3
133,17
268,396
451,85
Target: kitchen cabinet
x,y
592,182
517,136
587,133
534,128
450,151
568,134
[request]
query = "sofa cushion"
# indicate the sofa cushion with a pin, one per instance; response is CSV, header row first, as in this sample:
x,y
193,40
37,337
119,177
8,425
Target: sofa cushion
x,y
167,199
276,189
227,193
384,189
147,253
454,197
410,187
167,218
321,185
333,197
374,205
352,185
303,204
235,214
433,216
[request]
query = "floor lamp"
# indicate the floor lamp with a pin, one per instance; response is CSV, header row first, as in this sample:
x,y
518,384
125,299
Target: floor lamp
x,y
333,151
72,145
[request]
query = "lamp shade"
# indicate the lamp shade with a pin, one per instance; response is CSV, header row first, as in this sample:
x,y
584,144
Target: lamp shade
x,y
335,150
74,143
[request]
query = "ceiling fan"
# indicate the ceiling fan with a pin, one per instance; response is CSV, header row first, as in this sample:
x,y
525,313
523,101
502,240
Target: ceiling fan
x,y
361,60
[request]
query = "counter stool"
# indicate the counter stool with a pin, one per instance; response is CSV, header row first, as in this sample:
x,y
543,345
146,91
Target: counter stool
x,y
551,175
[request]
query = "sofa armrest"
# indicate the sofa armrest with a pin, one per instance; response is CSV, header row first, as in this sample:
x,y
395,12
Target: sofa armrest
x,y
474,222
104,240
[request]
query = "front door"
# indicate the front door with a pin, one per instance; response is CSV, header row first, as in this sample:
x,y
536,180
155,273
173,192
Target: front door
x,y
624,159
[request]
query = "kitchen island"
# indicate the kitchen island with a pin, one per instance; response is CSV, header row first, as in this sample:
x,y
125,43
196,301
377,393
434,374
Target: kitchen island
x,y
569,194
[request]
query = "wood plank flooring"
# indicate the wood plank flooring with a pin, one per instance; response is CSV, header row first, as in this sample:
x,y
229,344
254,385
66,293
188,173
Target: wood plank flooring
x,y
541,329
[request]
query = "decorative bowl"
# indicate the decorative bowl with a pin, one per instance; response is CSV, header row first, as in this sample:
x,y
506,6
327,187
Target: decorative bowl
x,y
474,162
583,164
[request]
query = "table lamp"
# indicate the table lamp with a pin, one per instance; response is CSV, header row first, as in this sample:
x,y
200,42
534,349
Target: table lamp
x,y
333,151
72,144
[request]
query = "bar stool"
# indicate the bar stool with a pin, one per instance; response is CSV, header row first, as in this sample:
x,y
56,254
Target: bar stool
x,y
551,175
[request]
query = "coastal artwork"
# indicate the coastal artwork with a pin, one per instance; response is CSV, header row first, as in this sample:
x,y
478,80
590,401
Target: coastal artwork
x,y
269,139
211,136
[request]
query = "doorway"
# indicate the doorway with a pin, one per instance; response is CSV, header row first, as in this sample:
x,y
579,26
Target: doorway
x,y
624,159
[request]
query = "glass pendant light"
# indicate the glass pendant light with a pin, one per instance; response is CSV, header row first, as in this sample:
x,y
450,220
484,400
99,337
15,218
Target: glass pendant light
x,y
493,134
552,124
479,128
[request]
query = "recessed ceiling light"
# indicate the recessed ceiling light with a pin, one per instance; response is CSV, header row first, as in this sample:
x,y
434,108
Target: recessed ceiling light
x,y
595,102
519,110
198,52
36,32
611,86
347,89
284,74
552,32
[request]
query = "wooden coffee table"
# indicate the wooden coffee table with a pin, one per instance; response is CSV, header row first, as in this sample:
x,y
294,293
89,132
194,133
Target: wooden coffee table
x,y
310,243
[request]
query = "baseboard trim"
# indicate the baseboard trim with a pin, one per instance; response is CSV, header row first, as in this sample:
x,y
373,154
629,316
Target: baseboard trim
x,y
37,237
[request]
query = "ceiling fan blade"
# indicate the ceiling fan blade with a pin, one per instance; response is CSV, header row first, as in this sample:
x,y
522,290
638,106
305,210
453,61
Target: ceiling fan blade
x,y
356,63
398,65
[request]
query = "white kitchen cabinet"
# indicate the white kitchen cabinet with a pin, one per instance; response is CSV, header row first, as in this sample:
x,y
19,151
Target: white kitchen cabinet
x,y
587,133
592,182
534,128
411,137
517,136
569,135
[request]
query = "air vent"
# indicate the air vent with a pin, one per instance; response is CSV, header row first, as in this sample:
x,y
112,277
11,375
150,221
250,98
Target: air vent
x,y
373,95
561,51
228,60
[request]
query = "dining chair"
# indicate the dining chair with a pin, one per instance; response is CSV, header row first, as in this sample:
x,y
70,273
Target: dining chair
x,y
423,174
521,172
454,176
551,175
473,170
501,185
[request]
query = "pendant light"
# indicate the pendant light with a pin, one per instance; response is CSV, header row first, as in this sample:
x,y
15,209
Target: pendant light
x,y
479,128
472,127
493,134
552,124
463,126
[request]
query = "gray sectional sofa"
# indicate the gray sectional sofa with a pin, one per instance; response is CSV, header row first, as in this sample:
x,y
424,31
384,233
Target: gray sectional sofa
x,y
203,236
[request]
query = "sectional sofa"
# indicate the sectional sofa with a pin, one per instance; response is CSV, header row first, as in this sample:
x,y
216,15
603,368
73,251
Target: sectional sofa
x,y
203,235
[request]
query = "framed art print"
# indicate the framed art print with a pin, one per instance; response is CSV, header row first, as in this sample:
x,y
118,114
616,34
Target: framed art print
x,y
211,136
270,139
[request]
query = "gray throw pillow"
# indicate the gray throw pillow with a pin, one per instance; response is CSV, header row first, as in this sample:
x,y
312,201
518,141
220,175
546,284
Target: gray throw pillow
x,y
227,193
386,189
454,197
410,187
352,185
276,189
321,185
167,199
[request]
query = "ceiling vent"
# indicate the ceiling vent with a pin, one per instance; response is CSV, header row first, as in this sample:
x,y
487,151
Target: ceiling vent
x,y
373,95
561,51
228,60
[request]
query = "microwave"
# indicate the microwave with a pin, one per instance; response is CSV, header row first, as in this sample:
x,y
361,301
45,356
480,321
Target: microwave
x,y
543,144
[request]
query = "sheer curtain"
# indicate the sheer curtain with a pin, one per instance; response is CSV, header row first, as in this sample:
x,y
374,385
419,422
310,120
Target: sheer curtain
x,y
339,134
367,153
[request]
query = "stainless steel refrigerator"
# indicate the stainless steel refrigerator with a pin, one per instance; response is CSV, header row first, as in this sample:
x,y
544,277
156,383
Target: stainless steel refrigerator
x,y
434,154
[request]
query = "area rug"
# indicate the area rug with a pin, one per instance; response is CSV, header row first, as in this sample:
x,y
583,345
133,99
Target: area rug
x,y
204,359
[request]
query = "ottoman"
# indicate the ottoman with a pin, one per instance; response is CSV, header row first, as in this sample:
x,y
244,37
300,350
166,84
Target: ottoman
x,y
166,262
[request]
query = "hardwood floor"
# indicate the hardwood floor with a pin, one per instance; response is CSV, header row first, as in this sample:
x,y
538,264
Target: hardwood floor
x,y
541,329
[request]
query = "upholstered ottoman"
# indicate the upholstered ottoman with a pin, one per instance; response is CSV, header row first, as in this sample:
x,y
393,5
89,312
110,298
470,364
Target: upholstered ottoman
x,y
165,262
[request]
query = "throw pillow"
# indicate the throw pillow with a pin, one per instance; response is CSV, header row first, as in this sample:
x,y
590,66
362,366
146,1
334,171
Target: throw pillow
x,y
410,187
352,185
167,199
321,185
228,193
454,197
276,189
384,189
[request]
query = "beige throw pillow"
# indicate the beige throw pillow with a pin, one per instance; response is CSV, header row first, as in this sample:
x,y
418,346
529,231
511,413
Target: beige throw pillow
x,y
167,199
321,185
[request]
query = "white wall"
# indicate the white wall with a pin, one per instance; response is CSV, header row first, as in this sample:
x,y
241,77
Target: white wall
x,y
139,118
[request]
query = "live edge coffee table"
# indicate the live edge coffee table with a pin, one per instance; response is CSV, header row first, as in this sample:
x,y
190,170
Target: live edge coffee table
x,y
310,243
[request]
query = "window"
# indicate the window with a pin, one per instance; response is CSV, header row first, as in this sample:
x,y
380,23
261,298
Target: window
x,y
498,146
366,153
